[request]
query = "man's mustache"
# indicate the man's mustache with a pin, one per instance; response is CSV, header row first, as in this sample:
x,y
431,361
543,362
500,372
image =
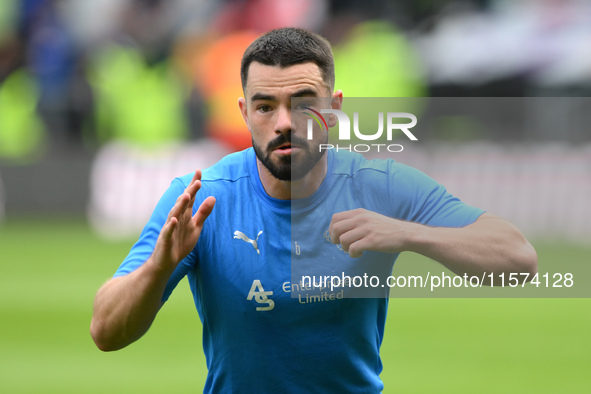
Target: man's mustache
x,y
286,138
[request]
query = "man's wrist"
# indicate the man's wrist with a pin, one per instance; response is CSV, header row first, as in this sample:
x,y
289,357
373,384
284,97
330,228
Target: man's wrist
x,y
416,237
158,269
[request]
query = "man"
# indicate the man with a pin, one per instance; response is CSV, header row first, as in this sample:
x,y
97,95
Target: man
x,y
257,336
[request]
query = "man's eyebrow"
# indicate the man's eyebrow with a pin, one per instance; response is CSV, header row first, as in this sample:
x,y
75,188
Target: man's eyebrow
x,y
305,92
262,96
268,97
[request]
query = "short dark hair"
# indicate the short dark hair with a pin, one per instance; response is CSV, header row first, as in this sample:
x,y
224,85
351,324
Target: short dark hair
x,y
288,46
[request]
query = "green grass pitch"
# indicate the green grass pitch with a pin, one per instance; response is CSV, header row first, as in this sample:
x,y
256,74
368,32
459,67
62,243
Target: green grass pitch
x,y
50,271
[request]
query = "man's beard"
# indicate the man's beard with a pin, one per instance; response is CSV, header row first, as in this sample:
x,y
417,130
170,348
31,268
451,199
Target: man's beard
x,y
290,167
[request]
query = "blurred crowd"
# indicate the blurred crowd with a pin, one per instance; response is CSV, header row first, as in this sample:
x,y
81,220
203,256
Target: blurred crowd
x,y
76,74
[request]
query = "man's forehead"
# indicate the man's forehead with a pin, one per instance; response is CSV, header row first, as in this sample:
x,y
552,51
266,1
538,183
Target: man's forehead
x,y
303,76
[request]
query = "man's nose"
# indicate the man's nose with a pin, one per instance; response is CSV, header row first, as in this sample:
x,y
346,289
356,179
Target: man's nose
x,y
283,120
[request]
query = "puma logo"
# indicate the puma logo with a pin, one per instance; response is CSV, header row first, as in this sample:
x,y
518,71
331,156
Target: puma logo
x,y
253,242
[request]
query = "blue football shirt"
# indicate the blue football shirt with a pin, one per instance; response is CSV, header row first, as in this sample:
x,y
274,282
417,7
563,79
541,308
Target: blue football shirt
x,y
264,330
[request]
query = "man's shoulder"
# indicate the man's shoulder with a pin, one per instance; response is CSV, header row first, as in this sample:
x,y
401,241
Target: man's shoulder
x,y
352,164
230,168
377,172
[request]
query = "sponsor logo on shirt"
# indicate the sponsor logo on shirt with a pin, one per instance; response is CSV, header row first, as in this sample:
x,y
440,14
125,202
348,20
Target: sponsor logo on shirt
x,y
253,242
326,235
258,293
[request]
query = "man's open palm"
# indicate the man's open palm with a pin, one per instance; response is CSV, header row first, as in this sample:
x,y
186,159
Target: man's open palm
x,y
181,231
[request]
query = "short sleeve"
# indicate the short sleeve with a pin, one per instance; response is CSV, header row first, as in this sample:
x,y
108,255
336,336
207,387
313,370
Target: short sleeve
x,y
419,198
143,248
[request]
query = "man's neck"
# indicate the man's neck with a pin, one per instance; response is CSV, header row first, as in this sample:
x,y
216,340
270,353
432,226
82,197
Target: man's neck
x,y
293,190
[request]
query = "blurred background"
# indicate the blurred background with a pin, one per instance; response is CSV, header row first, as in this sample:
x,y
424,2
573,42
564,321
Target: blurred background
x,y
103,102
147,89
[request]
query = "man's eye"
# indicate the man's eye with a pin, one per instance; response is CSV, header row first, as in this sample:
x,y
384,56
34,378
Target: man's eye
x,y
263,108
304,106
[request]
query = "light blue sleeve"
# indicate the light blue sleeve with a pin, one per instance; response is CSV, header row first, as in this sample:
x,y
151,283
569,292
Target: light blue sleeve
x,y
419,198
143,248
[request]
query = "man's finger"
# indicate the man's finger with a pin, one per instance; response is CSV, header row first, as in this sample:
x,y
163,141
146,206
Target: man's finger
x,y
338,228
196,176
204,210
180,206
351,236
193,188
344,215
356,249
168,229
342,222
195,185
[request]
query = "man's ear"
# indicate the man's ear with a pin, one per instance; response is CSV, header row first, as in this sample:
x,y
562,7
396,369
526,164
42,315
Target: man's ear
x,y
335,103
243,111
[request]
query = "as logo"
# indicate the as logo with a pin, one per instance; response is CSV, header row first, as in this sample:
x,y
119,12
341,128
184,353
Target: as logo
x,y
260,296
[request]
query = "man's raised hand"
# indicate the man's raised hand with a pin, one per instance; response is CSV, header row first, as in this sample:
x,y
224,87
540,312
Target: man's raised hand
x,y
182,229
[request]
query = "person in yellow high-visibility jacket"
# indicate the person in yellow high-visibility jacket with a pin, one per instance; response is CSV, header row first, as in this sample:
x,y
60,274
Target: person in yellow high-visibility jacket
x,y
22,133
